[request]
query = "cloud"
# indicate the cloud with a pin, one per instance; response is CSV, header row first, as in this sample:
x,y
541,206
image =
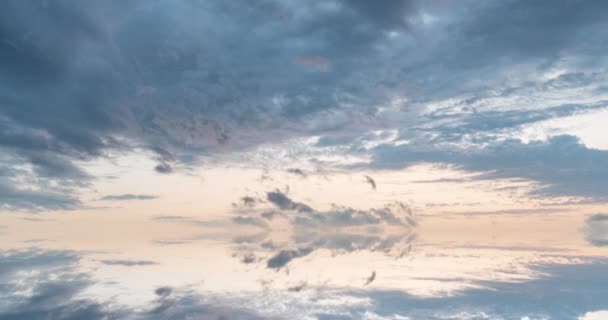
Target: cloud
x,y
297,172
14,261
283,202
562,164
541,298
283,257
94,80
129,263
470,121
340,229
596,229
128,196
298,288
88,80
163,168
14,198
54,287
389,230
594,315
246,202
339,216
253,221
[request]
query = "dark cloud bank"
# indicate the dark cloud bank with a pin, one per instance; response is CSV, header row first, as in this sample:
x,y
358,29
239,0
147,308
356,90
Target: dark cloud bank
x,y
88,79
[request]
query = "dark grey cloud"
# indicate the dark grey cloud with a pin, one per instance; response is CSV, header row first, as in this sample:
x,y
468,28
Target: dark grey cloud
x,y
129,263
128,196
562,164
283,202
246,202
86,80
454,126
92,80
163,168
297,172
283,257
298,287
249,258
486,39
14,261
596,229
14,198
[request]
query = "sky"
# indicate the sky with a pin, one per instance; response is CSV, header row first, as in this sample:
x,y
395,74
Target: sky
x,y
315,160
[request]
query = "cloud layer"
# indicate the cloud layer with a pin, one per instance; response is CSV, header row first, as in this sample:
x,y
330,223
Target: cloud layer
x,y
200,78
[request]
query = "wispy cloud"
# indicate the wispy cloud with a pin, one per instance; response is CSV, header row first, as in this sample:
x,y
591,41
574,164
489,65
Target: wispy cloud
x,y
128,196
129,263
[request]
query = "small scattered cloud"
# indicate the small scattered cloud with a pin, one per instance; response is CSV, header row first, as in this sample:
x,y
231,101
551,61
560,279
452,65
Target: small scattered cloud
x,y
283,257
129,263
282,201
164,168
298,287
298,172
128,196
